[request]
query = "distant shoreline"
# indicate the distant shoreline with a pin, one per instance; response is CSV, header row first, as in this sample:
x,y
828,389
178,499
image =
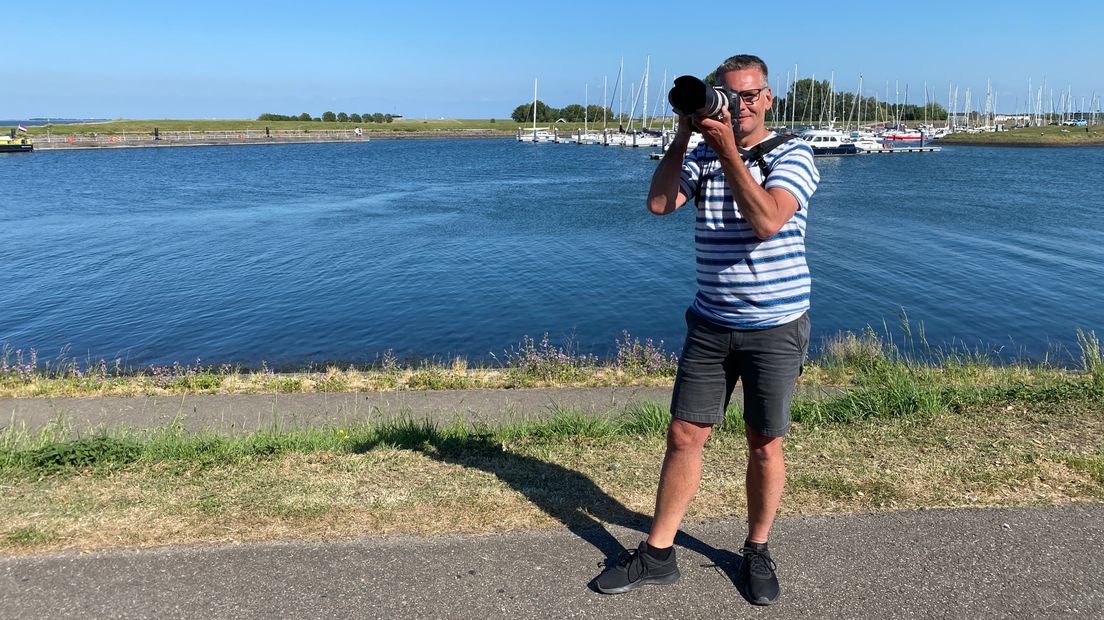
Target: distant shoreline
x,y
69,143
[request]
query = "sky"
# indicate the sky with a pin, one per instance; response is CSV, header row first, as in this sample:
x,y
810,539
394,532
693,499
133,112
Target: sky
x,y
476,59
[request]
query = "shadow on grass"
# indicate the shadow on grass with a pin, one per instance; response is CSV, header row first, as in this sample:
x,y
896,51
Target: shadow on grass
x,y
568,496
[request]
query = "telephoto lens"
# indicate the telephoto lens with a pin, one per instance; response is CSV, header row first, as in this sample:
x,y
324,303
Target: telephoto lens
x,y
693,96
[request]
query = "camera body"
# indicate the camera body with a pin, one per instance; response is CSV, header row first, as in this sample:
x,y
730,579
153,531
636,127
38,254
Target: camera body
x,y
693,96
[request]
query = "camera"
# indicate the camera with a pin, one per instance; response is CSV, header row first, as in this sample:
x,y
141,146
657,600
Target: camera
x,y
693,96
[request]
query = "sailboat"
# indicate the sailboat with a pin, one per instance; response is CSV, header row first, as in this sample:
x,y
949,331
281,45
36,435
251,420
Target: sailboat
x,y
586,136
536,134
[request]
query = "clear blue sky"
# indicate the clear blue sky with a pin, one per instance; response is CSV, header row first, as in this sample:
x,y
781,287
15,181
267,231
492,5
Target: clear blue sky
x,y
477,59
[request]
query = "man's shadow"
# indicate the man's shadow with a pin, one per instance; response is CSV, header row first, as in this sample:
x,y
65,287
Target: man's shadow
x,y
568,496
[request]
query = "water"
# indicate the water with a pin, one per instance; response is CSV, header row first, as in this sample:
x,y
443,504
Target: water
x,y
297,254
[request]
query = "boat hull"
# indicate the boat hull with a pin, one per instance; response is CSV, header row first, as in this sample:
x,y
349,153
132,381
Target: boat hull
x,y
16,148
835,151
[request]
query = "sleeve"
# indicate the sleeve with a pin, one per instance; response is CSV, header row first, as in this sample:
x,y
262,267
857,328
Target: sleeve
x,y
691,174
795,172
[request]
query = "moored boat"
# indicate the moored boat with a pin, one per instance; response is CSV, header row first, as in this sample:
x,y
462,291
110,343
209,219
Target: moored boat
x,y
828,142
12,144
901,133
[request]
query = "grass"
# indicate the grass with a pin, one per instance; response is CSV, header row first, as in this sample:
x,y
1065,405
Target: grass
x,y
530,363
949,431
846,359
1032,136
404,125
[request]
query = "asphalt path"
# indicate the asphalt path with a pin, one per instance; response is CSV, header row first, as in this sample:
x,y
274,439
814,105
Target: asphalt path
x,y
966,563
240,413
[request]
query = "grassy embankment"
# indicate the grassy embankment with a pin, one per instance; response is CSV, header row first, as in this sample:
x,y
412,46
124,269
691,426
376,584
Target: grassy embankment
x,y
955,431
1032,136
402,126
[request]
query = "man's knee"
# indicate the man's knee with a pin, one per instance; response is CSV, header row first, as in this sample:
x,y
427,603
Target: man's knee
x,y
763,449
686,436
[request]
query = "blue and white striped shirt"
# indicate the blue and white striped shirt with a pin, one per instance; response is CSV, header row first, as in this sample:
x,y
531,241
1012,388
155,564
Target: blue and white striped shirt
x,y
745,282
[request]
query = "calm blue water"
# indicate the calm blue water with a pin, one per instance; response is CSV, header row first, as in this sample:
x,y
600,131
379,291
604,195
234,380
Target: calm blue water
x,y
296,254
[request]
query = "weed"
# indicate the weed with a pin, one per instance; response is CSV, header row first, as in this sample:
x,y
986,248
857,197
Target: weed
x,y
644,359
28,535
86,452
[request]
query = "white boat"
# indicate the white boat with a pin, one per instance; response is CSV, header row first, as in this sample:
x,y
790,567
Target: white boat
x,y
866,141
695,140
828,142
536,134
586,137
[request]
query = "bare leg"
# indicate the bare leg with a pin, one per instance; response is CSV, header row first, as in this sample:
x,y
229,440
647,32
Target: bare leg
x,y
766,475
679,479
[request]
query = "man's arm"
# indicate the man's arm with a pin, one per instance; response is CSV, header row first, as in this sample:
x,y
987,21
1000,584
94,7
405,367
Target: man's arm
x,y
664,195
767,211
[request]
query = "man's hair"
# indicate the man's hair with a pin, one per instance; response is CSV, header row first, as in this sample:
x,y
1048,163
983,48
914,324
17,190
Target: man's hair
x,y
740,62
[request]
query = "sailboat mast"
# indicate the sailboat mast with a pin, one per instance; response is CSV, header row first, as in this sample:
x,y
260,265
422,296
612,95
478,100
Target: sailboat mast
x,y
793,106
621,94
586,105
858,122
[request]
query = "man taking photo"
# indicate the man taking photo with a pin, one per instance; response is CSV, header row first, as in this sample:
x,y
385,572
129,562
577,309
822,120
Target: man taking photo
x,y
748,321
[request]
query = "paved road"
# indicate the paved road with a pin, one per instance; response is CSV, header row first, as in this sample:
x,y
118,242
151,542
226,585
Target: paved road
x,y
247,412
243,413
1004,563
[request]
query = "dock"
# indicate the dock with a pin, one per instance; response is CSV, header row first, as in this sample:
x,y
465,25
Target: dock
x,y
885,151
903,149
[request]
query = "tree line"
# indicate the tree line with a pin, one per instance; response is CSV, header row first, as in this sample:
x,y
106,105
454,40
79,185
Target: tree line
x,y
815,101
810,101
330,117
573,113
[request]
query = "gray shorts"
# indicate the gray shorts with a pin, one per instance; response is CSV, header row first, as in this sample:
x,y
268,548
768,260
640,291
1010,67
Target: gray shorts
x,y
714,358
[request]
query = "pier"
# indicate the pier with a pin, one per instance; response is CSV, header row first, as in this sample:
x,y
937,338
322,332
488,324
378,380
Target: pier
x,y
903,149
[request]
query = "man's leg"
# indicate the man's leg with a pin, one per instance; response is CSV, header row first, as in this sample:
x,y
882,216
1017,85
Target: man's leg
x,y
772,362
698,401
766,476
679,479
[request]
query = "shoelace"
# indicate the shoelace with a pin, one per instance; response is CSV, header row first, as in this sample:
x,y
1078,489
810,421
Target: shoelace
x,y
758,562
623,559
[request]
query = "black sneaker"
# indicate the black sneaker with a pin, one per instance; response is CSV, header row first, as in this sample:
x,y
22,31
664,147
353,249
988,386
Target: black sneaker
x,y
635,569
757,571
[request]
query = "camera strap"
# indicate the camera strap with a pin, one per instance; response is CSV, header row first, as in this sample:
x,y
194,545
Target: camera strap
x,y
756,154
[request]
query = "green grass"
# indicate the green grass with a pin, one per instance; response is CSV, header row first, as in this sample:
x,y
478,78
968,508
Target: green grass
x,y
908,373
1032,136
888,391
404,125
1041,443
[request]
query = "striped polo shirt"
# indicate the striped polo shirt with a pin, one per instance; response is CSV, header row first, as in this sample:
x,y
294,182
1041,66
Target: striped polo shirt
x,y
745,282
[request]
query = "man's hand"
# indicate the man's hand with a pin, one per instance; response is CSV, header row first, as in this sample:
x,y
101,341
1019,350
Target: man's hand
x,y
718,134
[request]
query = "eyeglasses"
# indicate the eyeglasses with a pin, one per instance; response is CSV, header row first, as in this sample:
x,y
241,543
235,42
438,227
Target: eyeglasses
x,y
749,96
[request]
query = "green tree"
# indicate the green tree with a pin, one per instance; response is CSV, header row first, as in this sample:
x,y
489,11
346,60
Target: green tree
x,y
377,117
524,112
573,113
342,117
594,113
305,116
329,117
387,118
355,118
